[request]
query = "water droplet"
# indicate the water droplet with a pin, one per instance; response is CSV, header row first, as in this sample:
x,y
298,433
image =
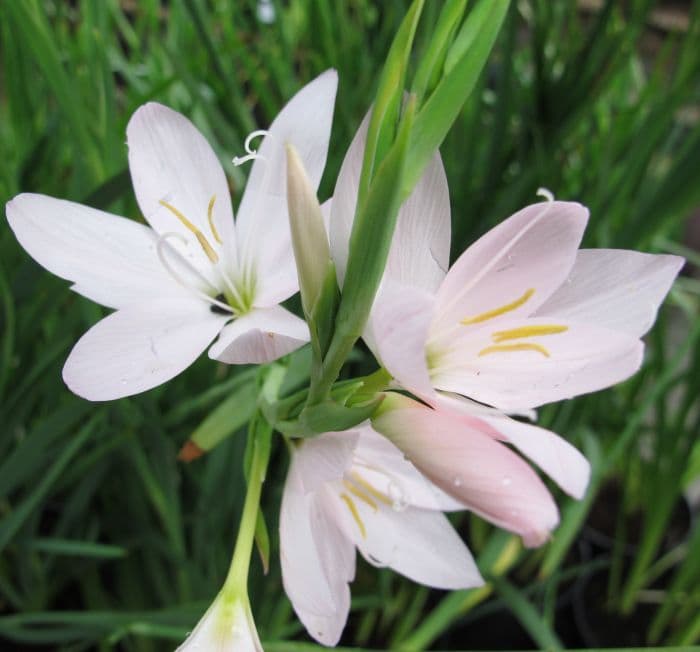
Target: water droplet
x,y
457,481
123,381
506,482
514,512
399,500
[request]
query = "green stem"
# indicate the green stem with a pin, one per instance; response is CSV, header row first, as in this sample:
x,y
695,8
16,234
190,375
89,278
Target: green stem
x,y
237,578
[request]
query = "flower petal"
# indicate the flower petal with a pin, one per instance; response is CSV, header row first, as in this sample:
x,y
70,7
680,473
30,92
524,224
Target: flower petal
x,y
171,161
520,373
318,561
262,335
262,224
420,249
325,458
139,347
397,333
420,544
512,269
614,288
110,259
379,464
553,454
473,467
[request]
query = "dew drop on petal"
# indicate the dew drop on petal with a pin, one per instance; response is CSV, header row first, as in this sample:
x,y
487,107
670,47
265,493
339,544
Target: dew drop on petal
x,y
506,482
457,481
399,500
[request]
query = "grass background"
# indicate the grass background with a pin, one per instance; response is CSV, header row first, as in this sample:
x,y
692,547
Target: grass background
x,y
106,540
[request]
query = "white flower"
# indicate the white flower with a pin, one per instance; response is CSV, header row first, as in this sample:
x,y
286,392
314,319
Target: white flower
x,y
193,274
354,489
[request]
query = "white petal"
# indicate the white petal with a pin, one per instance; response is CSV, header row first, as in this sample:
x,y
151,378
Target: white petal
x,y
553,454
325,458
318,561
420,544
379,464
262,335
420,248
110,259
263,224
614,288
140,347
170,160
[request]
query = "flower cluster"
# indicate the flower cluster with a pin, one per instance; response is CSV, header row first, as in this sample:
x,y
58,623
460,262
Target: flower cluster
x,y
522,318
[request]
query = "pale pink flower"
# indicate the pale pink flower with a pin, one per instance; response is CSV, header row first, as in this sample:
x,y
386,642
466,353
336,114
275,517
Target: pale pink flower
x,y
194,274
227,626
355,490
522,318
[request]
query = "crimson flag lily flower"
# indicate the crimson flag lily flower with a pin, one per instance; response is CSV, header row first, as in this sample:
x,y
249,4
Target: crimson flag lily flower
x,y
355,489
193,274
523,317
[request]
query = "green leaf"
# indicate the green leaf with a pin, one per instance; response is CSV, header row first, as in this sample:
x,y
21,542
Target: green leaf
x,y
262,541
387,103
465,61
433,60
227,418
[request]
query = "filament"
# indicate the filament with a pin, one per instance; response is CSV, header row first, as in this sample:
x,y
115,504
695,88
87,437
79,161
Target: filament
x,y
355,514
497,312
204,243
162,242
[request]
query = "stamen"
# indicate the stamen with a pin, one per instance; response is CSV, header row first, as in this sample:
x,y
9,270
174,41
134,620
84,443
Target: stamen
x,y
360,494
355,514
528,331
204,243
497,312
544,192
162,241
210,209
252,153
524,346
359,480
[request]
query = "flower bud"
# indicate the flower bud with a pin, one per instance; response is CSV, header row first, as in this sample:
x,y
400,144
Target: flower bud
x,y
309,238
227,626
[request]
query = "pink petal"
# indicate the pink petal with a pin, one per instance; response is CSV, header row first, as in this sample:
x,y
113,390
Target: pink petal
x,y
614,288
110,259
140,347
263,224
170,160
553,454
518,263
471,466
584,358
262,335
397,332
318,561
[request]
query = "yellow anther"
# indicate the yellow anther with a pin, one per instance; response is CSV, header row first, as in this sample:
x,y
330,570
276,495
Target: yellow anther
x,y
497,312
210,210
204,243
528,331
360,481
355,514
360,494
506,348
